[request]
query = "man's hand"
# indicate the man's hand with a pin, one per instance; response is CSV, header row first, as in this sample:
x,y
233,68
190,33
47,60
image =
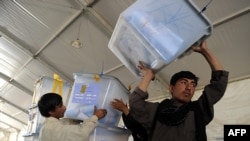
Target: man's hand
x,y
100,113
211,59
119,105
202,48
145,71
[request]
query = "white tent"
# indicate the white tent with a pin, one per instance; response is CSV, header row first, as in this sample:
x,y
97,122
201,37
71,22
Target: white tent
x,y
232,109
35,41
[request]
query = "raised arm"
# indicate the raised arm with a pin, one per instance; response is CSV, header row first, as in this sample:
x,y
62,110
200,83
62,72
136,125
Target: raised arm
x,y
211,59
147,76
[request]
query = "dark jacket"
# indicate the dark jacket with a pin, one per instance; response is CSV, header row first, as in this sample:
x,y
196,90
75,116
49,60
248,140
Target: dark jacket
x,y
138,132
145,112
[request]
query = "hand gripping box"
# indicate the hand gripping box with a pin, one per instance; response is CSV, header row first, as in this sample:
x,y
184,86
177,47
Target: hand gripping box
x,y
157,32
91,90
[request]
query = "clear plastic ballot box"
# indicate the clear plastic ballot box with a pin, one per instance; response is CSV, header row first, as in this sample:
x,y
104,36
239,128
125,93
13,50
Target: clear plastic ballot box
x,y
157,32
42,86
91,90
104,133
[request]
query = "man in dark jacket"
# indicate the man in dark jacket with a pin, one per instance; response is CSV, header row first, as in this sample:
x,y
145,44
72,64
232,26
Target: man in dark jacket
x,y
179,118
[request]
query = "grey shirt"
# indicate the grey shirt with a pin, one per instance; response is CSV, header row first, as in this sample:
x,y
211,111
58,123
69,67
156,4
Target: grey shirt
x,y
145,112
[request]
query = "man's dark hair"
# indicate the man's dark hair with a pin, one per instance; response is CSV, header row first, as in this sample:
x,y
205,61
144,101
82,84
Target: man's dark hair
x,y
183,74
48,102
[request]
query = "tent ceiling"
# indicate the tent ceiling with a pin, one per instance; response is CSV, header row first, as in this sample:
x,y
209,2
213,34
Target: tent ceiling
x,y
35,37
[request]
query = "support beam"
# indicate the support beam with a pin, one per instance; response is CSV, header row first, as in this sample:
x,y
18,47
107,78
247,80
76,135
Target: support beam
x,y
18,130
13,118
5,130
14,105
59,31
232,17
108,28
16,84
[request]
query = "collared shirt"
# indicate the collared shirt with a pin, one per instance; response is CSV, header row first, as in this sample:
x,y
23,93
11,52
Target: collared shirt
x,y
59,130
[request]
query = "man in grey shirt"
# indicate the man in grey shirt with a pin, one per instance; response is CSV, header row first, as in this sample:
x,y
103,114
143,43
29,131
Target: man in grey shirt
x,y
179,118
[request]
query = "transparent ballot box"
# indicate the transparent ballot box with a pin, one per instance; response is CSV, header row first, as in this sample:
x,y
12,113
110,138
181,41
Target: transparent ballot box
x,y
91,90
102,133
45,85
157,32
33,137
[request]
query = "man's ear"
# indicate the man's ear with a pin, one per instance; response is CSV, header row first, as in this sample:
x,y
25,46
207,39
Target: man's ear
x,y
51,113
171,88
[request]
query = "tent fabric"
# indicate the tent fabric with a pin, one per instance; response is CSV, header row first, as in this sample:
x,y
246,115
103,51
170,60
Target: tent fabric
x,y
233,108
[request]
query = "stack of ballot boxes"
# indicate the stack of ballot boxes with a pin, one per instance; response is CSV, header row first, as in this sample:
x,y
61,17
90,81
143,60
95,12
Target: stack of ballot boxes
x,y
90,90
42,86
157,32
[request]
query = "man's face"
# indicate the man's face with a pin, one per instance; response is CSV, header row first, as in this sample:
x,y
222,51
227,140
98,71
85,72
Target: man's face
x,y
59,111
183,90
